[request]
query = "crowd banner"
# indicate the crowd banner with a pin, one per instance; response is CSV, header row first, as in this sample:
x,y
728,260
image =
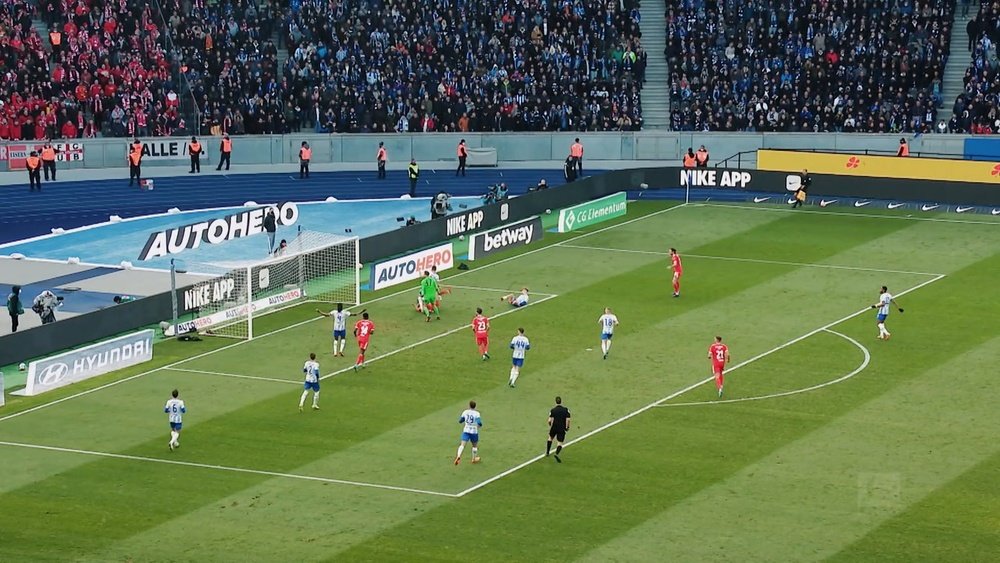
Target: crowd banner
x,y
895,167
17,153
167,149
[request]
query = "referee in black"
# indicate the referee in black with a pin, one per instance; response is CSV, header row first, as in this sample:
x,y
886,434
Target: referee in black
x,y
558,426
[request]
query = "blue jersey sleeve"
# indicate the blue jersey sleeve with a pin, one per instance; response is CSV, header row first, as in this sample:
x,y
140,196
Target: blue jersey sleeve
x,y
511,345
527,346
166,409
479,421
184,410
461,420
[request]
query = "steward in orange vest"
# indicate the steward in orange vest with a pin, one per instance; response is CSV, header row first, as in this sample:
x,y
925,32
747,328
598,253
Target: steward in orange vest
x,y
904,148
380,157
576,151
195,150
305,155
689,158
225,151
701,157
34,165
463,155
135,162
49,160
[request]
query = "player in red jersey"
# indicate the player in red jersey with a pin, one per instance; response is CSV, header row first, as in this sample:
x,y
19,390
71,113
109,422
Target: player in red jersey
x,y
481,326
675,264
718,353
363,331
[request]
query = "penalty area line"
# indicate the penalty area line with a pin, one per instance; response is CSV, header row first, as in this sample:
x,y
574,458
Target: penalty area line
x,y
235,375
675,394
227,468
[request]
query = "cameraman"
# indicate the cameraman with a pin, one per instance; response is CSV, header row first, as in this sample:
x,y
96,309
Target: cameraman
x,y
45,305
542,185
440,205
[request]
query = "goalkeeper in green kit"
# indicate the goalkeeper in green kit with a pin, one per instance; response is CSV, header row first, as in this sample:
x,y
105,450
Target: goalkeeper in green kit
x,y
429,293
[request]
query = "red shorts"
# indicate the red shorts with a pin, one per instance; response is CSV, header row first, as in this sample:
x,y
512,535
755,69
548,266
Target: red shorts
x,y
717,369
482,339
363,344
678,272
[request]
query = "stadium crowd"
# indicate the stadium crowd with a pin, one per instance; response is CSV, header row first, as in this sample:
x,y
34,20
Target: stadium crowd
x,y
977,108
823,65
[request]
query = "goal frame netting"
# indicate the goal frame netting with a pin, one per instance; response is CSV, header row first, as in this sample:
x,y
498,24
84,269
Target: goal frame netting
x,y
313,268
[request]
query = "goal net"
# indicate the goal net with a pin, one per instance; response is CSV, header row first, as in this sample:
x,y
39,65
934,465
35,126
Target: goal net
x,y
314,266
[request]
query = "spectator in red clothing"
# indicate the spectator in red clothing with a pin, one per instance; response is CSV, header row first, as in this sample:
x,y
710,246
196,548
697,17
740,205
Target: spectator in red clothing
x,y
68,130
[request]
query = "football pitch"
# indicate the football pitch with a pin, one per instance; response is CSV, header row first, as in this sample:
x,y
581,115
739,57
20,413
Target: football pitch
x,y
829,444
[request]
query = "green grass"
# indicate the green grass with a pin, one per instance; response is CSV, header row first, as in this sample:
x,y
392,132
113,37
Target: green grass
x,y
896,463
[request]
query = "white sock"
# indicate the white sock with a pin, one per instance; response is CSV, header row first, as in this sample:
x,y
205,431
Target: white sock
x,y
173,436
316,399
881,329
475,452
302,399
513,375
343,344
461,447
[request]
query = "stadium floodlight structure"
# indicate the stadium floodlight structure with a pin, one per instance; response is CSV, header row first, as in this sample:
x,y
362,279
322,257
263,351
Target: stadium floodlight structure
x,y
313,267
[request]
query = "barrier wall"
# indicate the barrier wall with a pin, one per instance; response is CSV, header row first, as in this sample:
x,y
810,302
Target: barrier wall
x,y
913,168
429,147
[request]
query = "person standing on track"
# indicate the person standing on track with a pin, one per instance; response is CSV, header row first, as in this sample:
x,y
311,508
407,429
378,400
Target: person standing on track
x,y
194,150
380,157
225,151
305,155
34,166
463,156
559,421
135,162
413,173
49,160
576,151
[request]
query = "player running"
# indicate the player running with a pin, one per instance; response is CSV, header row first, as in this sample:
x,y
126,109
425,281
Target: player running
x,y
311,369
608,322
675,265
429,294
519,344
481,328
517,299
175,410
471,422
885,299
363,331
718,353
339,327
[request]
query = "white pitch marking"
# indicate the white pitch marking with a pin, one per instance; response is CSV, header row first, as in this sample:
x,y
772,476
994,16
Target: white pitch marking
x,y
494,289
844,213
680,392
864,364
237,375
307,321
227,468
756,261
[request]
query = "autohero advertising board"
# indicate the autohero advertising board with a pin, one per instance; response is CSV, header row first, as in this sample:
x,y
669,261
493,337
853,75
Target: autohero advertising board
x,y
412,266
506,237
216,231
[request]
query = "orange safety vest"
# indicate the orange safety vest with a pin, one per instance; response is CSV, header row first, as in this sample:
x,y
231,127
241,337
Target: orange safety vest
x,y
55,38
305,153
576,150
701,156
135,157
194,149
904,149
381,153
33,163
48,153
227,145
462,151
688,161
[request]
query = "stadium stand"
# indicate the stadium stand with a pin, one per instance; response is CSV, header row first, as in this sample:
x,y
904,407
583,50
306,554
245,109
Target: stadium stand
x,y
783,65
977,108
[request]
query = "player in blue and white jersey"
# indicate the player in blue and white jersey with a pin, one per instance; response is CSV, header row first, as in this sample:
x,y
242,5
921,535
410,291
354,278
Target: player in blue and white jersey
x,y
519,344
471,422
608,322
311,369
339,327
175,410
517,299
885,301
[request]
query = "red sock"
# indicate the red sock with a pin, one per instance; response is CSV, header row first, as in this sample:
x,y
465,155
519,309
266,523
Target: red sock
x,y
718,381
361,359
677,287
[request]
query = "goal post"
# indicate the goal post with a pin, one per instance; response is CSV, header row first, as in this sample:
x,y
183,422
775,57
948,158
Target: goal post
x,y
312,267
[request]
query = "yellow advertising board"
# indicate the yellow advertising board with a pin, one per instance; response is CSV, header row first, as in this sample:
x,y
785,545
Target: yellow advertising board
x,y
910,168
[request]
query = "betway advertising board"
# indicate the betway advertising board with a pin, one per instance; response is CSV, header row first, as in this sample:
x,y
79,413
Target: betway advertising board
x,y
412,266
592,212
84,363
503,238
